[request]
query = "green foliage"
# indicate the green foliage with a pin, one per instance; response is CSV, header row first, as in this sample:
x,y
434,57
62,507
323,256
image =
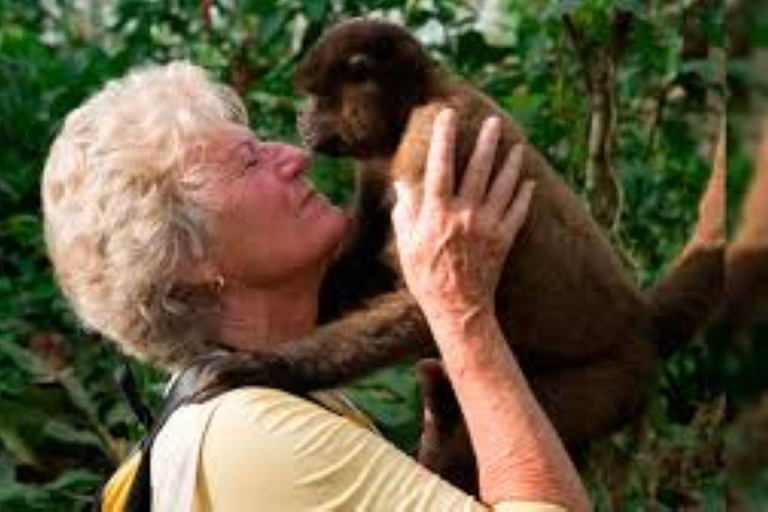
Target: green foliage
x,y
63,424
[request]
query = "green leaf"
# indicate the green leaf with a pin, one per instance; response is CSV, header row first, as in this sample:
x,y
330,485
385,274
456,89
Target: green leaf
x,y
316,9
66,433
18,447
23,358
75,480
559,8
272,25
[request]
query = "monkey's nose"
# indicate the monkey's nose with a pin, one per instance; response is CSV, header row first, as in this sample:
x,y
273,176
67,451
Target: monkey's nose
x,y
319,134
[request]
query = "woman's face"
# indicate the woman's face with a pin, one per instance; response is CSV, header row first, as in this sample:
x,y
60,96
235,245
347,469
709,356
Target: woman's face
x,y
268,225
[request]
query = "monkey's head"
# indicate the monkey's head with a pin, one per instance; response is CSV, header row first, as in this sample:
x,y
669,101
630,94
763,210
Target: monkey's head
x,y
361,80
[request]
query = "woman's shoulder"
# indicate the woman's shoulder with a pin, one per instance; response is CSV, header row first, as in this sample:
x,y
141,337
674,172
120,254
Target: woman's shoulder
x,y
258,397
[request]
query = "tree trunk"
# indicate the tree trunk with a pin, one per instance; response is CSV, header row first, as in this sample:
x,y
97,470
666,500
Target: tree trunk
x,y
603,189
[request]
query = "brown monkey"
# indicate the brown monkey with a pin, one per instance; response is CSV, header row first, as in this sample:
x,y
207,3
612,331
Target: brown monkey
x,y
586,337
583,331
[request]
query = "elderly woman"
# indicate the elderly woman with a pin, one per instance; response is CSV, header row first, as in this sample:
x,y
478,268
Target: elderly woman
x,y
176,232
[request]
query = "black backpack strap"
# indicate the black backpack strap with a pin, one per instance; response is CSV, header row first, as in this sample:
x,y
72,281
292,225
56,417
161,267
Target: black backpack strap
x,y
126,382
182,391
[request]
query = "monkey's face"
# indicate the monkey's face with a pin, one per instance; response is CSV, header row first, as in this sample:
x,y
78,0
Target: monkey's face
x,y
361,81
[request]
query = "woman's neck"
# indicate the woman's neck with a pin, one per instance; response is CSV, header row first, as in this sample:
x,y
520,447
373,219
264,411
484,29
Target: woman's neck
x,y
259,318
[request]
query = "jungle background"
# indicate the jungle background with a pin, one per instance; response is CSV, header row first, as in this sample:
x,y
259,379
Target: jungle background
x,y
646,81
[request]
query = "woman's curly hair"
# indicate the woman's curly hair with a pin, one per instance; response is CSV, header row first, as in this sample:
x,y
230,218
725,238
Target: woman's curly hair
x,y
121,220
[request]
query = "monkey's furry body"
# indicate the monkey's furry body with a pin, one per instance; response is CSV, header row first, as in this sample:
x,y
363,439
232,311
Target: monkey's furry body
x,y
586,336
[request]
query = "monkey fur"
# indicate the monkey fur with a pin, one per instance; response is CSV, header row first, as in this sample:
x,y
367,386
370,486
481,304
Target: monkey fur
x,y
586,337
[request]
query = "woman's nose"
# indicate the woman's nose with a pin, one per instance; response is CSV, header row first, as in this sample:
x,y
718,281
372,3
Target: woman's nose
x,y
289,162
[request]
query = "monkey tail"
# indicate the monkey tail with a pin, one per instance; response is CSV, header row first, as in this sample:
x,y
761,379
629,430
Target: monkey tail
x,y
684,300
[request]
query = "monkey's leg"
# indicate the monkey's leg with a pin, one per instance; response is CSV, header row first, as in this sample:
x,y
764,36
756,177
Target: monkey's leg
x,y
391,330
444,447
583,402
595,398
361,271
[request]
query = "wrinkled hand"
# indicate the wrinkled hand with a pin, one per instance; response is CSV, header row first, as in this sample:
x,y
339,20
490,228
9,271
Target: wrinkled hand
x,y
452,245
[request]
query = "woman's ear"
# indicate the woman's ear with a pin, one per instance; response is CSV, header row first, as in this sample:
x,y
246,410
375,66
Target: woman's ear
x,y
200,274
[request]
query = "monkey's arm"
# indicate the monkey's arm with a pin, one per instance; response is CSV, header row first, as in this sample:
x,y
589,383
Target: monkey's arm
x,y
391,330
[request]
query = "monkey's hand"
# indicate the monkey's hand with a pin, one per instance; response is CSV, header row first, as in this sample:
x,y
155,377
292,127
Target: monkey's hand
x,y
444,447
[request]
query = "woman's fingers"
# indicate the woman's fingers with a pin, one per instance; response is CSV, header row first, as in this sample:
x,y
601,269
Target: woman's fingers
x,y
438,178
518,210
404,212
475,183
506,204
503,187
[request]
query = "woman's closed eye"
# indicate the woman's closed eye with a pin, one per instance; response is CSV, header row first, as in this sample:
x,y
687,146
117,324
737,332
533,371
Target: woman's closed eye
x,y
250,156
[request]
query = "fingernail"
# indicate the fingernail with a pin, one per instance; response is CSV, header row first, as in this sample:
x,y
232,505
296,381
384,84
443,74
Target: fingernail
x,y
493,122
446,114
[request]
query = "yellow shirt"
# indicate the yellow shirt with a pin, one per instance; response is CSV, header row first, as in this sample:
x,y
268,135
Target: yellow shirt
x,y
267,450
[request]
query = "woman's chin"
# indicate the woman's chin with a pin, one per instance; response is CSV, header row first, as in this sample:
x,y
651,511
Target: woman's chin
x,y
343,232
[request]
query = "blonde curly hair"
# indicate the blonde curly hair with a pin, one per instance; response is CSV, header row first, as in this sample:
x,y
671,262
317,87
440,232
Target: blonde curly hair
x,y
121,219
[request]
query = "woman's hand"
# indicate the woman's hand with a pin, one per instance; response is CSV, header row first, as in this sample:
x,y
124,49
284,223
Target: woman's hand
x,y
452,246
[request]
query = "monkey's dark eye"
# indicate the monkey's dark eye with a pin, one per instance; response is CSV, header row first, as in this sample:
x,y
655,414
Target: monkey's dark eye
x,y
359,67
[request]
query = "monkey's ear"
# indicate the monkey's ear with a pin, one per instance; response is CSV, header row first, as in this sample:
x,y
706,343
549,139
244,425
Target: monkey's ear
x,y
359,67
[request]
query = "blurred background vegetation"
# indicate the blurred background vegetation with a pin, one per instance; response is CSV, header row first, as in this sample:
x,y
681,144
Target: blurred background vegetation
x,y
659,66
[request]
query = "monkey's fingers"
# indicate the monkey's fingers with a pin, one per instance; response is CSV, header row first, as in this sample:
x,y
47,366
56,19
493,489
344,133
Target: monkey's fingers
x,y
439,174
441,408
475,183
